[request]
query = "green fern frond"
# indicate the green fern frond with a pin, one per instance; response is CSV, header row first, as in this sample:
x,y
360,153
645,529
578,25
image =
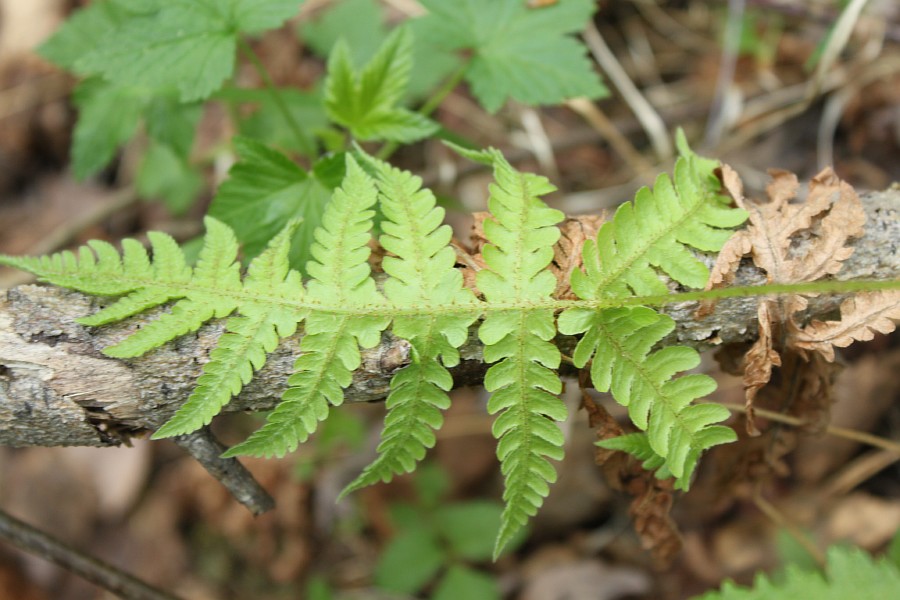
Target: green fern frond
x,y
620,340
521,233
421,275
341,289
248,338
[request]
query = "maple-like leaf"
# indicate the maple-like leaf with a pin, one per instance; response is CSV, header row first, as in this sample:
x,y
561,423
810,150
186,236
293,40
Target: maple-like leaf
x,y
182,44
508,59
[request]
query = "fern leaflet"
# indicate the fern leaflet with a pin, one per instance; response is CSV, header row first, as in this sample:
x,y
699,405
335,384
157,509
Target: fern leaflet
x,y
421,275
654,232
523,383
342,290
620,339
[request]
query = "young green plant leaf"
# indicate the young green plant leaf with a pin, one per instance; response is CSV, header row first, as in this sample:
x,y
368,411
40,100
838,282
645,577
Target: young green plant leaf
x,y
265,190
366,101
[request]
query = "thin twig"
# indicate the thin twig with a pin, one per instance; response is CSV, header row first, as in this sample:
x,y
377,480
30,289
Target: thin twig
x,y
839,36
538,142
646,114
103,574
777,517
716,123
843,432
597,119
207,450
858,471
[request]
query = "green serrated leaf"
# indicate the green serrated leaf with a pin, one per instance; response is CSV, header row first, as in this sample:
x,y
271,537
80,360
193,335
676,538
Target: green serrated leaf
x,y
265,190
619,340
409,562
463,582
464,526
517,52
186,45
255,16
268,124
653,233
850,573
521,232
79,34
211,292
365,102
248,339
172,123
421,274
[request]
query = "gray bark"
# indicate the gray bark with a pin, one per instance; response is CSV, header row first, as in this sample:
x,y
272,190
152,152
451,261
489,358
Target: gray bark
x,y
57,389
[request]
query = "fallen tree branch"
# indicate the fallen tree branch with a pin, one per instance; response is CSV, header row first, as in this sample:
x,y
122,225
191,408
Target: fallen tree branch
x,y
57,389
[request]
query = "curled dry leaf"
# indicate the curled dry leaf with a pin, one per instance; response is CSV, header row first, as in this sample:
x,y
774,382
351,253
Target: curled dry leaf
x,y
737,247
759,362
861,316
567,251
793,243
652,498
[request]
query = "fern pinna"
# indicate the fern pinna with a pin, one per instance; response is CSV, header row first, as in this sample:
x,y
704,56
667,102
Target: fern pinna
x,y
425,302
645,236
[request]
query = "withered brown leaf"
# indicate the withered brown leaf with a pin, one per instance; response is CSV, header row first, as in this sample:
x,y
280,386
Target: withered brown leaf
x,y
861,316
652,498
792,243
567,251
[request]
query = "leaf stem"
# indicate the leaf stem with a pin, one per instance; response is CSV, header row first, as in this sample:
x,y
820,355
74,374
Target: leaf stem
x,y
294,126
429,106
748,291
